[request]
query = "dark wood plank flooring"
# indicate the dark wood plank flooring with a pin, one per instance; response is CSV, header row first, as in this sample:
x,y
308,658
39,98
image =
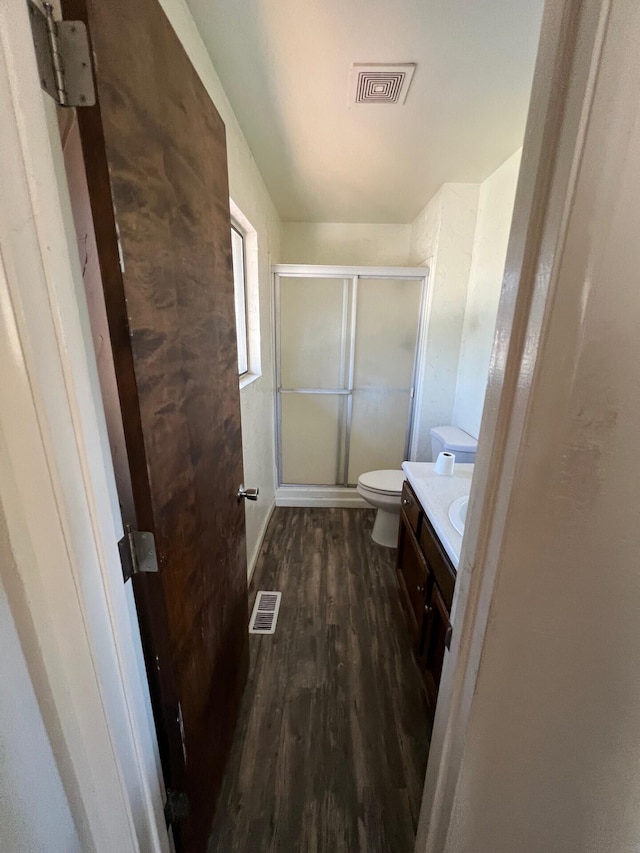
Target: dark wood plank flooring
x,y
331,745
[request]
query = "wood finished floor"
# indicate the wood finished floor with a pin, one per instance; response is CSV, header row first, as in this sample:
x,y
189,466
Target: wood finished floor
x,y
331,745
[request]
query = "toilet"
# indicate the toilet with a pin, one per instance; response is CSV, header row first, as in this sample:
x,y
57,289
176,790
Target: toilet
x,y
453,440
383,489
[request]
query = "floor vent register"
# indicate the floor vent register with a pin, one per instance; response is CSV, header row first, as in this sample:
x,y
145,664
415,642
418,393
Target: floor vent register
x,y
265,612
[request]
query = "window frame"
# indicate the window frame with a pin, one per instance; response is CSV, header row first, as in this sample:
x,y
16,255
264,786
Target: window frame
x,y
251,259
238,230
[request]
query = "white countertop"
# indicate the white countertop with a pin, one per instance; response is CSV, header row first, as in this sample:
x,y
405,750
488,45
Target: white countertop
x,y
436,492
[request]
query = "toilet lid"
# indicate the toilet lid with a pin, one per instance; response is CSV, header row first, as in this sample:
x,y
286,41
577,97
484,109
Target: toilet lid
x,y
389,482
455,439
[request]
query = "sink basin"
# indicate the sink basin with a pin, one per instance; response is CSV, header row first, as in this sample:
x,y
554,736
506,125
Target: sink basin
x,y
458,513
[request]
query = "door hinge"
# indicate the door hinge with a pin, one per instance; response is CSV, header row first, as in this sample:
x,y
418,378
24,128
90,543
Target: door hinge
x,y
64,61
137,553
176,807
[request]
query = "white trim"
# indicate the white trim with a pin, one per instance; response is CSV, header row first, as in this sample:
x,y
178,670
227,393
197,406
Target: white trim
x,y
566,67
421,363
252,294
320,496
324,270
240,296
253,560
248,379
57,488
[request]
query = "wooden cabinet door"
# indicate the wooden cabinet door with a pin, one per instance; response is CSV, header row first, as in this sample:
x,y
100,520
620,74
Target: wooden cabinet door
x,y
435,629
413,576
156,170
411,507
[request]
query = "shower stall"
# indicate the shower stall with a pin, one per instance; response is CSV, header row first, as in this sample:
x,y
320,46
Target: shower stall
x,y
347,340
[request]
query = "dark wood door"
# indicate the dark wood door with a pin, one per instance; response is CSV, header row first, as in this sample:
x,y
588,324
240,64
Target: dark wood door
x,y
156,173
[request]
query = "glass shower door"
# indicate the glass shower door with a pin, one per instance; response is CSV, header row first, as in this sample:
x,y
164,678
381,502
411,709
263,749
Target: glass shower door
x,y
386,331
346,350
313,355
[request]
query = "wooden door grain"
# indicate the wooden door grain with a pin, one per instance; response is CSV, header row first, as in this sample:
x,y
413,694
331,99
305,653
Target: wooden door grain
x,y
155,160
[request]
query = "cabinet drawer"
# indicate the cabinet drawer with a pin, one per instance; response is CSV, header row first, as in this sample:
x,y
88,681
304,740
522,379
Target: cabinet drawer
x,y
439,562
411,507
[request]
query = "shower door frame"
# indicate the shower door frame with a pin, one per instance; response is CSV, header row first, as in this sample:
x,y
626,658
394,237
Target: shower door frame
x,y
351,276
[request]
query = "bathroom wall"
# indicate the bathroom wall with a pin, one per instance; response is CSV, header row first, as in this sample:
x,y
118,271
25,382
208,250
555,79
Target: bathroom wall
x,y
345,243
442,238
462,235
29,772
495,208
248,191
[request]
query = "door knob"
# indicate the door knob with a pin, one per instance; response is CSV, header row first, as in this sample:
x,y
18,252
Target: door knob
x,y
248,494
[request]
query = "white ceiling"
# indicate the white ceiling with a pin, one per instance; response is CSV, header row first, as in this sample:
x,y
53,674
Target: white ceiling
x,y
285,67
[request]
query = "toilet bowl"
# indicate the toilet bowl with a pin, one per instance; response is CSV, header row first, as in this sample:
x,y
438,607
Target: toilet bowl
x,y
383,489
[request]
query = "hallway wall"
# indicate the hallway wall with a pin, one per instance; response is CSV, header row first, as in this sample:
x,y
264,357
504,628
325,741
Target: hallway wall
x,y
29,771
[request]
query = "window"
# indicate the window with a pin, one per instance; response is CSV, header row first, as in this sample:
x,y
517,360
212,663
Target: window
x,y
246,283
240,290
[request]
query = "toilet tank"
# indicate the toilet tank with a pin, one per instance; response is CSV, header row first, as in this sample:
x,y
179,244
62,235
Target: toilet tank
x,y
454,440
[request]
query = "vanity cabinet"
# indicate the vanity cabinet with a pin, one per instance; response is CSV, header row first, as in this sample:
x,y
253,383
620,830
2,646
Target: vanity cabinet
x,y
426,578
435,638
413,579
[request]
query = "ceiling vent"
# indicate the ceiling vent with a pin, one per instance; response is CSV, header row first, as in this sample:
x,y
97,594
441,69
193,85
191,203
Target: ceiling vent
x,y
380,84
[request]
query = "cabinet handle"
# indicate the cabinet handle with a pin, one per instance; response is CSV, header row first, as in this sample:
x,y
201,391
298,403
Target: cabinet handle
x,y
420,588
427,609
405,502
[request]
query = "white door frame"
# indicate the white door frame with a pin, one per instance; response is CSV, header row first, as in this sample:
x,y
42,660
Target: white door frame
x,y
573,33
74,615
